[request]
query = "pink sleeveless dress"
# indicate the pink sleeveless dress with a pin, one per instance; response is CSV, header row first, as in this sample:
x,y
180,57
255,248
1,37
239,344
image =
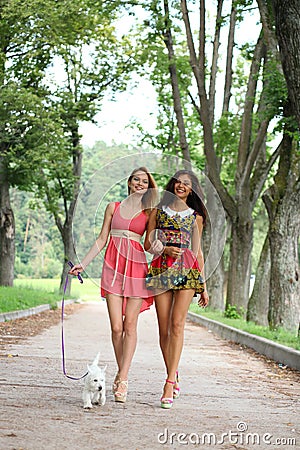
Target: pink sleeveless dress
x,y
125,266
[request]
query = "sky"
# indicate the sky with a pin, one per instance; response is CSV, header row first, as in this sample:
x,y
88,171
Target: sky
x,y
115,116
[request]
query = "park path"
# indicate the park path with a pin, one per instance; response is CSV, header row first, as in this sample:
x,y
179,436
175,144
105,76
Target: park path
x,y
231,398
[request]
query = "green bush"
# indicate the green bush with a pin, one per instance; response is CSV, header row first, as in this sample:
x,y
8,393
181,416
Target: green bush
x,y
231,312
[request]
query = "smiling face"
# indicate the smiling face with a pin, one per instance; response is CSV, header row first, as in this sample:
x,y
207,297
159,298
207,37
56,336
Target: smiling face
x,y
183,186
138,183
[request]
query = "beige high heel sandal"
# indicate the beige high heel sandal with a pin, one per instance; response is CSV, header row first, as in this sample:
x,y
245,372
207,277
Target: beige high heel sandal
x,y
115,383
121,396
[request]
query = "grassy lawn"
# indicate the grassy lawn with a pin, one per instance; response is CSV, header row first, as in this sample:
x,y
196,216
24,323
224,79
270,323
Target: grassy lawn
x,y
28,293
280,336
16,298
88,290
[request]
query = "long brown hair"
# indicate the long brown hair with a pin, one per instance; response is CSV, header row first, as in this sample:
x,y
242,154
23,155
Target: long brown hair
x,y
149,199
195,198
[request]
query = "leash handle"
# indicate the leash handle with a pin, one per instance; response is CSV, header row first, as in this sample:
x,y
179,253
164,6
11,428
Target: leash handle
x,y
78,276
62,333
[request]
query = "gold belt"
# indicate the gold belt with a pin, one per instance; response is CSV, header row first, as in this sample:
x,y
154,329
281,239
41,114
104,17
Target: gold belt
x,y
126,234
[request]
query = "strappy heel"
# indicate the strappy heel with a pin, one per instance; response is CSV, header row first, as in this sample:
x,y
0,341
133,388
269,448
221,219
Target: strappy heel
x,y
115,383
167,402
121,396
176,388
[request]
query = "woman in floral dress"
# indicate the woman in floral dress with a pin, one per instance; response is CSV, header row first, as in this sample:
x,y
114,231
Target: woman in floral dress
x,y
176,272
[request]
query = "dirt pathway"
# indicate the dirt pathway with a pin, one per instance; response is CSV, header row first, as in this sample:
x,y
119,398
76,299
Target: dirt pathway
x,y
231,399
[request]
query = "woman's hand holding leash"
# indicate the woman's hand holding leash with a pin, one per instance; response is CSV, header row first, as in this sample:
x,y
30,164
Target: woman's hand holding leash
x,y
75,270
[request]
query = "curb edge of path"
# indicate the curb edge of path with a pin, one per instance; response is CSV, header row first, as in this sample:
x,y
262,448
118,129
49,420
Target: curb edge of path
x,y
279,353
12,315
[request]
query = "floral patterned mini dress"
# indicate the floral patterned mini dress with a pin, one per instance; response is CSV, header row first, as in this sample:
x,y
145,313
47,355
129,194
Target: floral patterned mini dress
x,y
165,272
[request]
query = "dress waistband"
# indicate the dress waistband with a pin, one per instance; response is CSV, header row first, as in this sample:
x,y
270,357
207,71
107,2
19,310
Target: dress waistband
x,y
127,234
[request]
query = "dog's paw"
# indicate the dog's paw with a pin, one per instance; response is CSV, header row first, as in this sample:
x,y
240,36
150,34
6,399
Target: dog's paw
x,y
88,406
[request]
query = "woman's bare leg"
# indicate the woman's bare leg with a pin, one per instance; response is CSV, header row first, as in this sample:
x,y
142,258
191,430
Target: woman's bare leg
x,y
114,306
133,306
182,300
163,306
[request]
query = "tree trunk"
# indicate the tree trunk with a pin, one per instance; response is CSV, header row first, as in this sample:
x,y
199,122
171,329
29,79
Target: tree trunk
x,y
69,255
229,58
240,265
258,305
287,25
175,89
285,284
282,203
214,239
215,286
7,230
66,228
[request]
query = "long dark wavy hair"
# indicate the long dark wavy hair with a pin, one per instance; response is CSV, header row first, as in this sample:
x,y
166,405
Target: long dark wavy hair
x,y
150,197
195,198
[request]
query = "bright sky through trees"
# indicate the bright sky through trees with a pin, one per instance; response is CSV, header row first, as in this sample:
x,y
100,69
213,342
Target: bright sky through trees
x,y
138,102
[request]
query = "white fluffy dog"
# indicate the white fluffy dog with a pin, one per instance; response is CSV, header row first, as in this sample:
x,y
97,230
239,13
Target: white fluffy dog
x,y
94,385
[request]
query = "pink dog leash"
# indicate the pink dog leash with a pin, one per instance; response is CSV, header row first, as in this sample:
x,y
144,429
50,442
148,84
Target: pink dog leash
x,y
62,328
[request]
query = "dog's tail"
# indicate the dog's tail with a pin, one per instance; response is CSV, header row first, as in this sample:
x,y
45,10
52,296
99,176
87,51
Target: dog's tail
x,y
96,360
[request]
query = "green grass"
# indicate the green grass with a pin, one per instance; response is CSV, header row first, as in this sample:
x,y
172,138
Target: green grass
x,y
280,336
88,290
16,298
28,293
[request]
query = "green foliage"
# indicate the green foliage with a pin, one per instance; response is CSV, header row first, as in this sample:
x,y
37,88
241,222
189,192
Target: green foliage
x,y
232,312
242,8
30,134
226,137
275,89
38,246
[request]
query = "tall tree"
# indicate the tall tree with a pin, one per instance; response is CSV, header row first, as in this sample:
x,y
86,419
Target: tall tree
x,y
287,25
26,122
86,79
168,39
283,196
282,203
78,36
252,160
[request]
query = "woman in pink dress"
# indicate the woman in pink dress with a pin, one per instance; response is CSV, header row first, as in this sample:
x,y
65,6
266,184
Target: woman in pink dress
x,y
124,269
